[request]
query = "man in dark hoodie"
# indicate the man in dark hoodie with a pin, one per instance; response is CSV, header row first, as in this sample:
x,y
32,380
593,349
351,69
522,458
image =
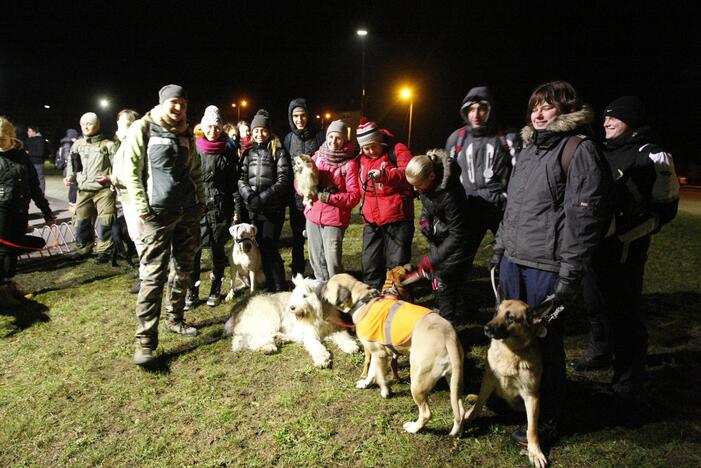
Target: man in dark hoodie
x,y
485,163
303,139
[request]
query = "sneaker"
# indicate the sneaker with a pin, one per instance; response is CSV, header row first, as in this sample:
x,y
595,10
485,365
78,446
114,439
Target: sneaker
x,y
591,363
213,300
547,434
102,258
136,287
179,327
215,293
192,298
143,356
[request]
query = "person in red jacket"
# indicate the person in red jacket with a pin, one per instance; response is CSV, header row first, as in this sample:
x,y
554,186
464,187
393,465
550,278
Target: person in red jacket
x,y
388,203
339,191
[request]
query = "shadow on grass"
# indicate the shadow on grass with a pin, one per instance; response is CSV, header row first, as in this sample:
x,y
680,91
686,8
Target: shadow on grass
x,y
25,316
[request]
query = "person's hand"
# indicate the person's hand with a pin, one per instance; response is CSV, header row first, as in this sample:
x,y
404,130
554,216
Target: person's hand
x,y
565,291
426,228
254,202
103,180
425,268
68,181
324,197
375,175
495,261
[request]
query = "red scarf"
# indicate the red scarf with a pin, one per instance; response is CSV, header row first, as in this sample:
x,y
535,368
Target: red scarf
x,y
336,157
212,147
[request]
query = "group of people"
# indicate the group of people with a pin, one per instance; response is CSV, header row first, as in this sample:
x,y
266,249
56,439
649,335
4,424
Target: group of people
x,y
566,212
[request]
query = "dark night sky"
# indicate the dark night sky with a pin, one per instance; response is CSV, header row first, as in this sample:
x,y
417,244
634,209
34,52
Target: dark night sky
x,y
70,54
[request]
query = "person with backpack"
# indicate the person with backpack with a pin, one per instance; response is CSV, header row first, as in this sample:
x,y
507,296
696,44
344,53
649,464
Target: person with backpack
x,y
387,205
556,213
645,196
484,159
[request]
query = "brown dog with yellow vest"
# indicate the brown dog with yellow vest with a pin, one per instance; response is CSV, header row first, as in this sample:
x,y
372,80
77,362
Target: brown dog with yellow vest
x,y
431,341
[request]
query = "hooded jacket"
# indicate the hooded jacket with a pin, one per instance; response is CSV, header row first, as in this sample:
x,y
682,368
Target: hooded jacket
x,y
444,210
483,156
306,140
554,220
162,171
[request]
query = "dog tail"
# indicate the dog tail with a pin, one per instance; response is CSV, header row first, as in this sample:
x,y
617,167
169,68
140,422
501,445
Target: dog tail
x,y
455,353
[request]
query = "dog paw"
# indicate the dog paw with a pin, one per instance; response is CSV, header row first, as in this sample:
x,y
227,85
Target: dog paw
x,y
456,431
229,296
385,393
412,427
350,348
268,349
364,383
537,458
323,363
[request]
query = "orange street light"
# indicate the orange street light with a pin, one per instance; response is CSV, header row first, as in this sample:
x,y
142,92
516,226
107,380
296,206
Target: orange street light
x,y
238,107
406,93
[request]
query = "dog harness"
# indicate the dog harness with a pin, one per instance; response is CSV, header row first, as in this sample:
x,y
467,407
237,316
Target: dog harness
x,y
390,322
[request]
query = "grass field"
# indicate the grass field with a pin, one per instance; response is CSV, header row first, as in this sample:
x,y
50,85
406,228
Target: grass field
x,y
69,394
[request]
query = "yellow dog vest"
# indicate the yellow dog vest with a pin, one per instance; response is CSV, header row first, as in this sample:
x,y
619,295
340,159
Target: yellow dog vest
x,y
390,322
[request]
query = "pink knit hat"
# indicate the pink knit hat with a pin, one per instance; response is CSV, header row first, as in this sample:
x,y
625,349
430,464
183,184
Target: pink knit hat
x,y
368,133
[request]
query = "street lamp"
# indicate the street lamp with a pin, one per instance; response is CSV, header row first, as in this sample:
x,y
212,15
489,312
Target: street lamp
x,y
104,103
407,93
362,34
238,107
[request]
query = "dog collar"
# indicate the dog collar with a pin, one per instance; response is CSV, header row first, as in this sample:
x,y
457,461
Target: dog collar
x,y
374,294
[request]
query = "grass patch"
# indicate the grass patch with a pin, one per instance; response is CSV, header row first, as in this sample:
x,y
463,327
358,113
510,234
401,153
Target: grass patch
x,y
69,394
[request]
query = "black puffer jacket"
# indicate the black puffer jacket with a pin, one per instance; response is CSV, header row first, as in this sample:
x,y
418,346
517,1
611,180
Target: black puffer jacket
x,y
444,218
554,220
266,177
19,184
220,180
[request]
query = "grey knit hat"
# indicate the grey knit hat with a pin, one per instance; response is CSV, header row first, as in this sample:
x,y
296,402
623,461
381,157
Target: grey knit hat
x,y
338,126
261,119
91,117
171,91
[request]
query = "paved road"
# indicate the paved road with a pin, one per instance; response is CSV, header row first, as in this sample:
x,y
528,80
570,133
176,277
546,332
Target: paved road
x,y
690,199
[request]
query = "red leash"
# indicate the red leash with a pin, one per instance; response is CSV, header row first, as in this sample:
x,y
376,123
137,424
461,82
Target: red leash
x,y
23,247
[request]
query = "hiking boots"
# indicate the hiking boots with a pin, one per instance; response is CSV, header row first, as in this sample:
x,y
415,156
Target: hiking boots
x,y
215,293
547,434
179,327
192,298
143,356
588,363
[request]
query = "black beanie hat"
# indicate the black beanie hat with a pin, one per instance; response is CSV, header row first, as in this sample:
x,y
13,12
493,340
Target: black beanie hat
x,y
261,119
629,109
171,91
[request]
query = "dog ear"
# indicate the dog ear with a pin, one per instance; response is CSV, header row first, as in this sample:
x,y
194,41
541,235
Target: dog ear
x,y
254,230
232,230
343,296
298,279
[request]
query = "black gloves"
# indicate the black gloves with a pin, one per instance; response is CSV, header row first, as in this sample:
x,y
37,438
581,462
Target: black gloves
x,y
253,202
565,290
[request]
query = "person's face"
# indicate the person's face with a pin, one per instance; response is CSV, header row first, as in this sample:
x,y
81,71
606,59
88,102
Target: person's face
x,y
5,142
88,128
542,114
615,128
422,185
260,134
373,150
233,134
123,123
299,118
477,114
244,131
175,108
335,140
31,132
211,132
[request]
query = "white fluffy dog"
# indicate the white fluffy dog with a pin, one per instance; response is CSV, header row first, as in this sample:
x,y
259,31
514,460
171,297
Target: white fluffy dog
x,y
300,316
307,178
244,259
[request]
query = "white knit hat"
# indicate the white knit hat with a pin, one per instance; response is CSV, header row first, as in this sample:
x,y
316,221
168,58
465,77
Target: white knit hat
x,y
212,117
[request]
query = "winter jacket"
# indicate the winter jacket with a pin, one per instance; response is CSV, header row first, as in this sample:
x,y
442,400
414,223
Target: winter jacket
x,y
266,177
220,179
482,154
554,220
445,216
391,198
337,211
63,154
38,149
95,154
19,183
162,171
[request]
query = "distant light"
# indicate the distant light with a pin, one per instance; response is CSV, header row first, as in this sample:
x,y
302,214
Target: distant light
x,y
327,115
104,103
233,104
318,116
46,106
362,32
405,93
244,103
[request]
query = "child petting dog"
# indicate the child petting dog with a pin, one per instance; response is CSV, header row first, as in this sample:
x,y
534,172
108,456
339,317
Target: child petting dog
x,y
339,191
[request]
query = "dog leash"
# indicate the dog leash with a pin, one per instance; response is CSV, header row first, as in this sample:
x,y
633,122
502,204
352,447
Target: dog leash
x,y
551,298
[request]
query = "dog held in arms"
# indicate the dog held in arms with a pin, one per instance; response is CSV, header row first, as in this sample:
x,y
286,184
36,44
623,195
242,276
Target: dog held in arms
x,y
245,259
306,178
514,365
301,316
433,345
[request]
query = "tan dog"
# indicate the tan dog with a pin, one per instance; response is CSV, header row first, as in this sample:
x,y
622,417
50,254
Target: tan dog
x,y
245,259
433,347
307,178
515,365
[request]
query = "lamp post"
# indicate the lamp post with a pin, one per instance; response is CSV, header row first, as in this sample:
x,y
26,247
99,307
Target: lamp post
x,y
238,107
362,34
406,93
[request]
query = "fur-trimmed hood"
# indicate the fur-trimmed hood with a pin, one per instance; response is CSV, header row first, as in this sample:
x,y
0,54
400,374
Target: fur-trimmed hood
x,y
562,124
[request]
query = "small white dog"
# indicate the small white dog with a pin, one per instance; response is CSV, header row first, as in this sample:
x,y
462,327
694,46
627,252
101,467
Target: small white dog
x,y
244,259
307,178
300,316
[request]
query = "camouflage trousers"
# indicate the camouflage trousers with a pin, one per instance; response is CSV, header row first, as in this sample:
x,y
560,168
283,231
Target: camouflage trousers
x,y
91,205
165,235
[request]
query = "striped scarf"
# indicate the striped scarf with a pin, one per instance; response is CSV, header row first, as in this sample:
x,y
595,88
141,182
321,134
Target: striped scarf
x,y
336,157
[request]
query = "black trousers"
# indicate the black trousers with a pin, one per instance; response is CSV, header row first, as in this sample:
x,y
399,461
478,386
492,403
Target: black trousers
x,y
613,294
214,235
483,216
297,224
451,296
269,226
385,246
